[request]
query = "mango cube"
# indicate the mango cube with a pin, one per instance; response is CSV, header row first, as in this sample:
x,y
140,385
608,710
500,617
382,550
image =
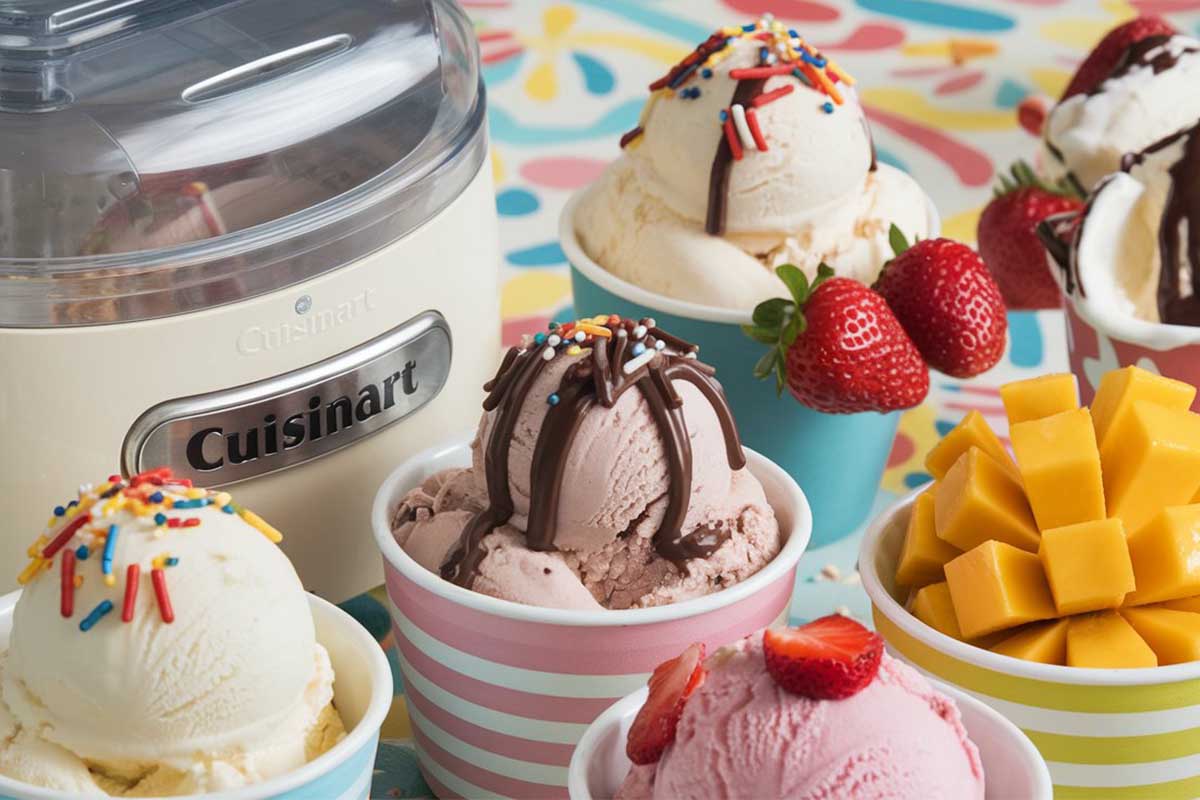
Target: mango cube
x,y
1121,388
997,586
1043,642
1105,640
1166,556
1087,565
1043,396
923,553
1154,463
1182,604
973,431
1174,636
978,500
1060,467
933,606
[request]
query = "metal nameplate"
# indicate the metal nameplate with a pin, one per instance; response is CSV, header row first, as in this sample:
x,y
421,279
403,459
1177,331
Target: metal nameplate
x,y
234,434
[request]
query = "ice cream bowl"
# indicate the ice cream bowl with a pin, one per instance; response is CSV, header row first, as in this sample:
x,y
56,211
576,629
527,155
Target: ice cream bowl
x,y
362,694
838,459
1104,733
1011,764
499,693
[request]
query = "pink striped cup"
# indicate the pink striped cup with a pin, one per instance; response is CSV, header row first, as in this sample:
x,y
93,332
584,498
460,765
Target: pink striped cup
x,y
499,693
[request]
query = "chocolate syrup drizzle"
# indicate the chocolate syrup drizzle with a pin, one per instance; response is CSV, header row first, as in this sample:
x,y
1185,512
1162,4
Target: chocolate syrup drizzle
x,y
598,378
718,177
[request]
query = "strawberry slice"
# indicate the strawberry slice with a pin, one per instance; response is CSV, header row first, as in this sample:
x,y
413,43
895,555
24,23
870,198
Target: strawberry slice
x,y
830,658
672,683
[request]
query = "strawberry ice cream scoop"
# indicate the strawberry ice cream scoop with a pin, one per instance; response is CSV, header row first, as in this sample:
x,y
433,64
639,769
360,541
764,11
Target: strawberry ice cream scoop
x,y
742,735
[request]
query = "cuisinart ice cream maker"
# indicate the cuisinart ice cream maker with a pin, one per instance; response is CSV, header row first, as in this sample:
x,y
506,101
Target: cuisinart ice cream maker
x,y
252,240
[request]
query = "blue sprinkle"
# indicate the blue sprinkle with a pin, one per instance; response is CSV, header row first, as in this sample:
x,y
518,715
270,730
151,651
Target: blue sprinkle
x,y
82,552
59,511
552,399
229,509
539,338
72,504
160,518
157,497
172,561
749,28
197,502
706,73
94,616
110,547
763,52
792,33
639,348
827,107
724,115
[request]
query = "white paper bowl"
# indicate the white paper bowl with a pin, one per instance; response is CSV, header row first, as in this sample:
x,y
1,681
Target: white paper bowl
x,y
362,692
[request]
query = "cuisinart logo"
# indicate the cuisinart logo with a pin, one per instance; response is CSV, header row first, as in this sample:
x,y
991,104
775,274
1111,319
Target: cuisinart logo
x,y
261,338
243,432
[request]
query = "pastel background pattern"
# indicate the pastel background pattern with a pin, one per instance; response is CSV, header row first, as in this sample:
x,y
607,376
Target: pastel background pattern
x,y
940,80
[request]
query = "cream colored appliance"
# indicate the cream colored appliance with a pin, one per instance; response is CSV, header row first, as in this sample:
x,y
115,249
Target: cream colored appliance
x,y
253,240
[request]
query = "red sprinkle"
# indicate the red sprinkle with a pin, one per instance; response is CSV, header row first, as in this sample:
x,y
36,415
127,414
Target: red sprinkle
x,y
629,136
154,476
67,602
174,522
64,536
159,578
774,94
731,136
761,72
132,574
191,522
114,478
755,131
184,482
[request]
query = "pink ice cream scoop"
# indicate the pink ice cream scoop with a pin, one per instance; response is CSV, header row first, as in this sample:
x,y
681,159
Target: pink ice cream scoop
x,y
742,735
607,473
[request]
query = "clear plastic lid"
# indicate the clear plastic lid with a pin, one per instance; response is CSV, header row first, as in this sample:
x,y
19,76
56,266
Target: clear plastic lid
x,y
161,156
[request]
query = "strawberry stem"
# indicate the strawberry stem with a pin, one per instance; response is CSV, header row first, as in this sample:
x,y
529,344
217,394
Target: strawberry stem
x,y
897,240
778,322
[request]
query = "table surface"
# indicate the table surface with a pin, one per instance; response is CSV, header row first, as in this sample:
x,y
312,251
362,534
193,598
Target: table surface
x,y
940,82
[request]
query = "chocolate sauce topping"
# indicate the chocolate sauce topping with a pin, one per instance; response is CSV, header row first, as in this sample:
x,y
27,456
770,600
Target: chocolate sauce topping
x,y
718,177
599,378
1179,237
1138,56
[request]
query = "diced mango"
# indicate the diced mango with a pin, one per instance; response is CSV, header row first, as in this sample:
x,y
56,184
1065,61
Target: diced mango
x,y
1105,640
997,586
1174,636
1043,396
1060,467
1121,388
1043,642
978,500
1154,463
923,553
1087,565
933,606
1182,604
973,431
1166,556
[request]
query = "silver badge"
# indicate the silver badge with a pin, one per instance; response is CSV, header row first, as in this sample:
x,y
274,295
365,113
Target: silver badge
x,y
233,434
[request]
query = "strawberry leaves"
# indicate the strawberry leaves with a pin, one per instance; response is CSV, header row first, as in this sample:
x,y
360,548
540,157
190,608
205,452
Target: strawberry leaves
x,y
1022,176
778,322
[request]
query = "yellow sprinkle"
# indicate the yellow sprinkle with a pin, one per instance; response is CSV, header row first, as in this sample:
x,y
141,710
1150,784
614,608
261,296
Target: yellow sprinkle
x,y
158,562
31,569
114,504
78,580
38,544
594,330
168,502
50,523
195,493
222,499
110,580
102,488
72,511
574,350
841,73
260,524
138,507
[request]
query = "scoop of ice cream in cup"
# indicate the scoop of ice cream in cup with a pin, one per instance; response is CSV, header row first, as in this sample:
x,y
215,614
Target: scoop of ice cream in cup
x,y
162,645
753,160
603,516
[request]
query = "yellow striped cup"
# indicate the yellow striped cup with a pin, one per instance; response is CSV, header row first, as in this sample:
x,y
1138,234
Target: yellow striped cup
x,y
1106,734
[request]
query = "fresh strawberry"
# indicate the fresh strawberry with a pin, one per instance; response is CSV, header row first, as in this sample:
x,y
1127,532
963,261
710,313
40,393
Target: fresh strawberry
x,y
948,303
1110,52
837,346
670,686
1008,238
828,659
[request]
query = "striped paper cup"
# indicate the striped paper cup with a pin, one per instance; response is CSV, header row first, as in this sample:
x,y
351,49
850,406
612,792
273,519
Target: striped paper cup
x,y
1104,733
499,692
1012,768
362,692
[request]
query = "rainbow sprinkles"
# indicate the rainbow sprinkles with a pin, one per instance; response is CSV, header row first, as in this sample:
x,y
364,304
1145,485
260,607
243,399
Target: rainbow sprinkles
x,y
782,53
82,528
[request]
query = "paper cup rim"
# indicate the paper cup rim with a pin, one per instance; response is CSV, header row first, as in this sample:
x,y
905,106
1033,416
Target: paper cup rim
x,y
581,261
577,771
377,709
1156,336
1007,665
777,568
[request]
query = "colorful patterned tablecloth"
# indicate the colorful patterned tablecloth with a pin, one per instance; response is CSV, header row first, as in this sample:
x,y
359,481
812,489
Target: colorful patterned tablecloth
x,y
940,82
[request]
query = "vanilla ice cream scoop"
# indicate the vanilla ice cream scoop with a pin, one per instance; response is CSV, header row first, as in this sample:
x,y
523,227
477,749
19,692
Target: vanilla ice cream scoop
x,y
1134,255
1151,94
163,644
752,152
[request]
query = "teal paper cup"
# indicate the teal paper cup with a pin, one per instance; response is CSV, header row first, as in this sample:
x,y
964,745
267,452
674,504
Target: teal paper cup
x,y
838,459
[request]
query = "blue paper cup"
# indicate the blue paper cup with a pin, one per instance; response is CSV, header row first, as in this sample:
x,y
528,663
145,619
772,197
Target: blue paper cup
x,y
838,459
362,692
